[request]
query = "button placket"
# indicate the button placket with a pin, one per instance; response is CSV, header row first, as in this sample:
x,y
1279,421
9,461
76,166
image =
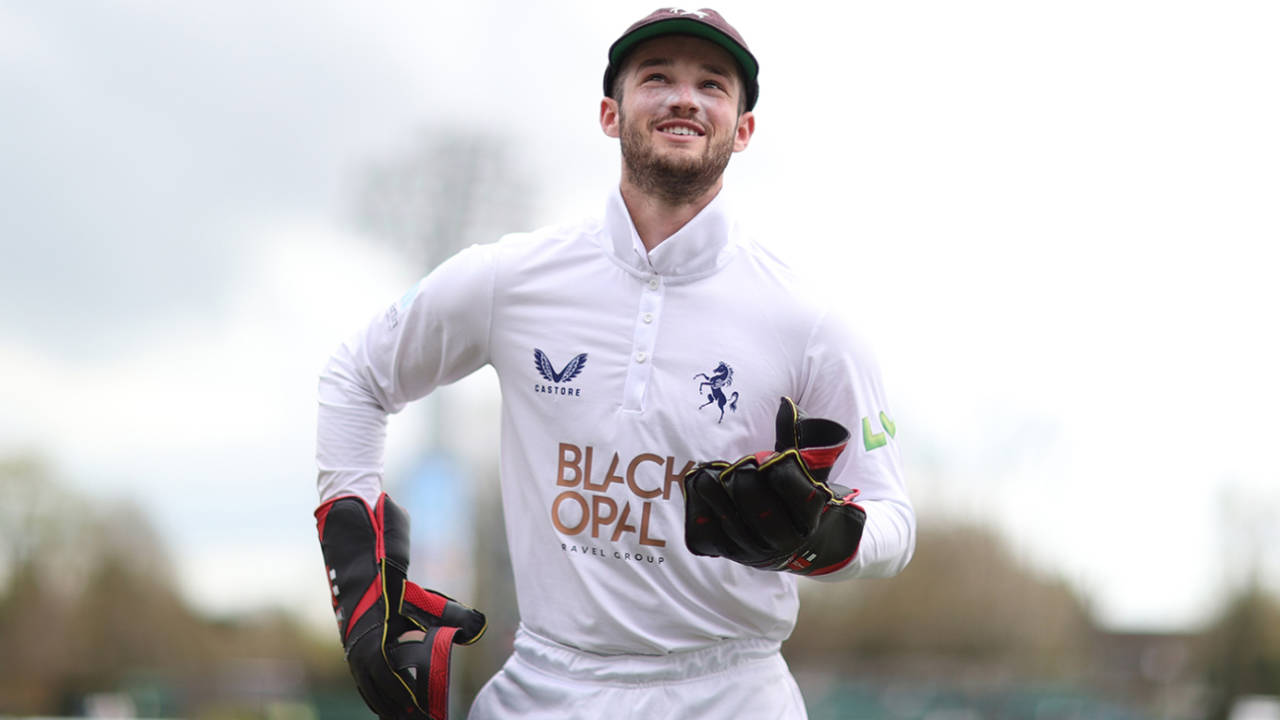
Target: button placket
x,y
643,342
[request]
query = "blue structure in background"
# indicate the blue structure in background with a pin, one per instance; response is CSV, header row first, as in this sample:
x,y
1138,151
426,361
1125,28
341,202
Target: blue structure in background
x,y
438,497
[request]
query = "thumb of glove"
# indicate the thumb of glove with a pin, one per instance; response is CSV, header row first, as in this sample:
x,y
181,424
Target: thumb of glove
x,y
428,608
819,440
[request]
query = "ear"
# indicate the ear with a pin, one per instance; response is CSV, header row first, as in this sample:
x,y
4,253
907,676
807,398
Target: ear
x,y
609,117
746,128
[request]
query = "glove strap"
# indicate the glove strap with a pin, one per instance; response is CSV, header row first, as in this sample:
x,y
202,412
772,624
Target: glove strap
x,y
438,675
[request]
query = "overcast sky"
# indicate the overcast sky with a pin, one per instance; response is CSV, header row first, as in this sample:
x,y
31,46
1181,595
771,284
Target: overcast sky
x,y
1057,222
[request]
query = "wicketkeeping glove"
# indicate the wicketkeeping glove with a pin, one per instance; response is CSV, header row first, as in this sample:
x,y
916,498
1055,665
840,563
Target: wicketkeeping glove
x,y
366,553
775,511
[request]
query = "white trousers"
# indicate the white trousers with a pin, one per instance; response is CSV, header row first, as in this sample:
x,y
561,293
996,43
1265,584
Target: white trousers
x,y
733,680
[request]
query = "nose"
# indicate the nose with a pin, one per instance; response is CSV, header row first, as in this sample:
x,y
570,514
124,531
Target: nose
x,y
683,100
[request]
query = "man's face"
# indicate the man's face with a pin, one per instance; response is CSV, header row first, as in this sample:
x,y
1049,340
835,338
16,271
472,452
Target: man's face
x,y
678,119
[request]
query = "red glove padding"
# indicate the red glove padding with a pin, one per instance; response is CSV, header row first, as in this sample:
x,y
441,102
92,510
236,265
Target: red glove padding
x,y
775,511
366,553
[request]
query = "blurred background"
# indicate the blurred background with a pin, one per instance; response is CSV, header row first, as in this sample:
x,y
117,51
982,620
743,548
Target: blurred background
x,y
1057,223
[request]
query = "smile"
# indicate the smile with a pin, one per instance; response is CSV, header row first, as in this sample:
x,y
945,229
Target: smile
x,y
681,129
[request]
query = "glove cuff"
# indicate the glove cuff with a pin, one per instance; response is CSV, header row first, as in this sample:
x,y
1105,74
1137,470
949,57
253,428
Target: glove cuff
x,y
835,542
351,541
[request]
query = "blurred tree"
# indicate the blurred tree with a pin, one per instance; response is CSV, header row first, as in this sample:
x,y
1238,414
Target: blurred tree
x,y
31,618
88,605
963,602
33,602
36,518
1240,651
89,597
128,618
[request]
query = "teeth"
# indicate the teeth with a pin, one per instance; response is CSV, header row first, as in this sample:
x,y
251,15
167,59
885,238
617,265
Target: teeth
x,y
680,131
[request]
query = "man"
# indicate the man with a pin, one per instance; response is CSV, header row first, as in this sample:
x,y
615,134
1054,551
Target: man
x,y
633,352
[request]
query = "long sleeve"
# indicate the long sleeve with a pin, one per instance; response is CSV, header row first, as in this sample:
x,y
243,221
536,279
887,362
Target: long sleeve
x,y
842,381
437,333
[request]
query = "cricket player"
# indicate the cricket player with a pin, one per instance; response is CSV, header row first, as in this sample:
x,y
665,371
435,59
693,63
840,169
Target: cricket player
x,y
686,431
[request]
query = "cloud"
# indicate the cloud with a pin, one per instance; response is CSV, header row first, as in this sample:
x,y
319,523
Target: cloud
x,y
143,140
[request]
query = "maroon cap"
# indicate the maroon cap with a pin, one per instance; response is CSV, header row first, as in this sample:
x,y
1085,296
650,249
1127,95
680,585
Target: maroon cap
x,y
705,23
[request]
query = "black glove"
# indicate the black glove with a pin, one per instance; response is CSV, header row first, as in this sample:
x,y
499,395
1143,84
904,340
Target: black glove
x,y
366,553
775,511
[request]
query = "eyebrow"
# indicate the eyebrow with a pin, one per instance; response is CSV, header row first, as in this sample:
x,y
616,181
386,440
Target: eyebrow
x,y
717,70
653,62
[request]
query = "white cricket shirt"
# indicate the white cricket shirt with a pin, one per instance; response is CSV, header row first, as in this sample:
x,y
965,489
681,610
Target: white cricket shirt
x,y
619,370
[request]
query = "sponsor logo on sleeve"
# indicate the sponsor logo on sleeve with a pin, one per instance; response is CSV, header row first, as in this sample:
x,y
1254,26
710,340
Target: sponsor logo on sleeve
x,y
872,440
396,311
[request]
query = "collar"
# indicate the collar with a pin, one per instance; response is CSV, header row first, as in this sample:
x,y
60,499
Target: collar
x,y
704,245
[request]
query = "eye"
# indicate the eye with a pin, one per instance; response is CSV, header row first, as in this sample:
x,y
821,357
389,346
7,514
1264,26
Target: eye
x,y
655,77
714,85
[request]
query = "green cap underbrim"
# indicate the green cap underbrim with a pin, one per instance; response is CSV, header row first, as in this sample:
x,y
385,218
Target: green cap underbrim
x,y
681,26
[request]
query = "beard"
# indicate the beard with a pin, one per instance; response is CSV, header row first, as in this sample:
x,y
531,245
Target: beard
x,y
675,180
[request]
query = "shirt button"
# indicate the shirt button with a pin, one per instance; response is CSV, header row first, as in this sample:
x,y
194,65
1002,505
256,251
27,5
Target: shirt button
x,y
648,318
641,357
653,283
